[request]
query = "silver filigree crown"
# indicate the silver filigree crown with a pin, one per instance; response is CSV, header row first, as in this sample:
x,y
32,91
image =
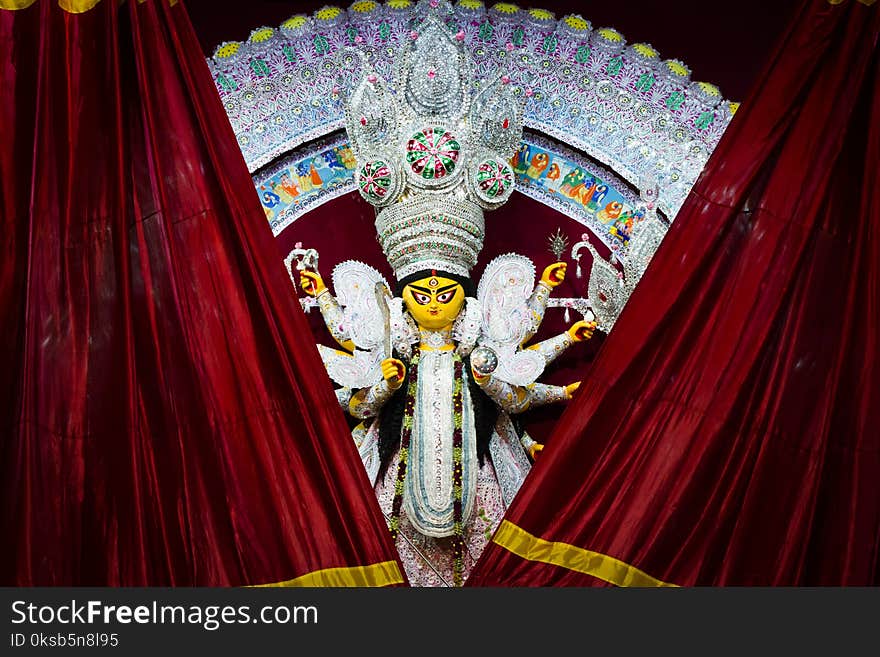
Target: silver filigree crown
x,y
433,151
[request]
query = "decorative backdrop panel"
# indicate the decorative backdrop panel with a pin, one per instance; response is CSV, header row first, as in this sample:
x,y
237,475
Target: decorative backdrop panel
x,y
623,105
545,171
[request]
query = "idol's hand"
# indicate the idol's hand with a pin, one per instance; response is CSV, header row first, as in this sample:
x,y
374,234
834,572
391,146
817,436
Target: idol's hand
x,y
311,282
554,274
393,371
480,379
581,330
571,388
534,449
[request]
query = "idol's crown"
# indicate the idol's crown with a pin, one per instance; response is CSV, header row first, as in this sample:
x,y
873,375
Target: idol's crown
x,y
433,150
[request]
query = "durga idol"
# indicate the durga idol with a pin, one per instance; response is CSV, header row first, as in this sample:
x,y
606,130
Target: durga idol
x,y
436,368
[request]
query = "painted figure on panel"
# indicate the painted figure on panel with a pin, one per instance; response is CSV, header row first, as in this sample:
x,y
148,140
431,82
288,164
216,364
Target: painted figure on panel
x,y
610,212
571,180
521,158
553,175
537,166
287,184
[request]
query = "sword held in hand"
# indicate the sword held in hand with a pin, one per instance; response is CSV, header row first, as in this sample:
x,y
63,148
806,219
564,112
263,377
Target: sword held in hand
x,y
383,296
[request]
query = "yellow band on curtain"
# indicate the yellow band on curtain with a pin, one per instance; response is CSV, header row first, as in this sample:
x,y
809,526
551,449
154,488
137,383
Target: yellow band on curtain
x,y
385,573
77,6
608,569
867,3
16,4
71,6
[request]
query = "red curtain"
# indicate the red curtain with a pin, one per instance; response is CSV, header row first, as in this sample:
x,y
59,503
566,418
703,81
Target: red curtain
x,y
736,439
164,416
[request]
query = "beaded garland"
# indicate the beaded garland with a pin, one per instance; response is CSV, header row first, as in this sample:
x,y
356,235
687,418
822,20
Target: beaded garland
x,y
405,439
458,524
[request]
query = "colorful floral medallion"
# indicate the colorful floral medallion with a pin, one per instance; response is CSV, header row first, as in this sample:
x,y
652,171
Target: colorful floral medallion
x,y
433,153
378,181
375,180
493,178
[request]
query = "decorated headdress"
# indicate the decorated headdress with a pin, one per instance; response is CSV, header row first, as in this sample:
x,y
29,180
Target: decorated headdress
x,y
433,151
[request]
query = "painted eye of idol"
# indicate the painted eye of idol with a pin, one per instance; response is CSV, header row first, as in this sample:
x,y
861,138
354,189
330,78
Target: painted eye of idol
x,y
446,297
421,299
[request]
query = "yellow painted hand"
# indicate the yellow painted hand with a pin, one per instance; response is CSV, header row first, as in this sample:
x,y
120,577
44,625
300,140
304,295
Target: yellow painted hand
x,y
480,379
534,449
571,388
393,371
581,330
311,282
554,274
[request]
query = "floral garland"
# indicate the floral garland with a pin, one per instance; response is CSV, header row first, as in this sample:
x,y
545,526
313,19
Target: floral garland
x,y
406,436
458,528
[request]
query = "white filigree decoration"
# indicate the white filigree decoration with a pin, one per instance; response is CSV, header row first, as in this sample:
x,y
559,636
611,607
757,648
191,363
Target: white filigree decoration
x,y
355,285
358,370
371,114
436,76
404,331
503,291
519,368
496,117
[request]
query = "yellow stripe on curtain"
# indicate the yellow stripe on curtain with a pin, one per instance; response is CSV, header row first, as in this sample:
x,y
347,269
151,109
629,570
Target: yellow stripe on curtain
x,y
71,6
385,573
77,6
16,4
564,555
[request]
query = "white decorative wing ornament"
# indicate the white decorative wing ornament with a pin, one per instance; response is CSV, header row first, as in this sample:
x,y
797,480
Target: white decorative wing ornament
x,y
503,292
358,370
355,286
364,321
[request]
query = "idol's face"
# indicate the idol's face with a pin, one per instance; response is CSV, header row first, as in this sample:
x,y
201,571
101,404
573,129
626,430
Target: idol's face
x,y
434,301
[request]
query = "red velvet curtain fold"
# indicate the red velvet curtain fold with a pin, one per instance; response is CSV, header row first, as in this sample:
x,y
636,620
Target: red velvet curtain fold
x,y
164,416
738,441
